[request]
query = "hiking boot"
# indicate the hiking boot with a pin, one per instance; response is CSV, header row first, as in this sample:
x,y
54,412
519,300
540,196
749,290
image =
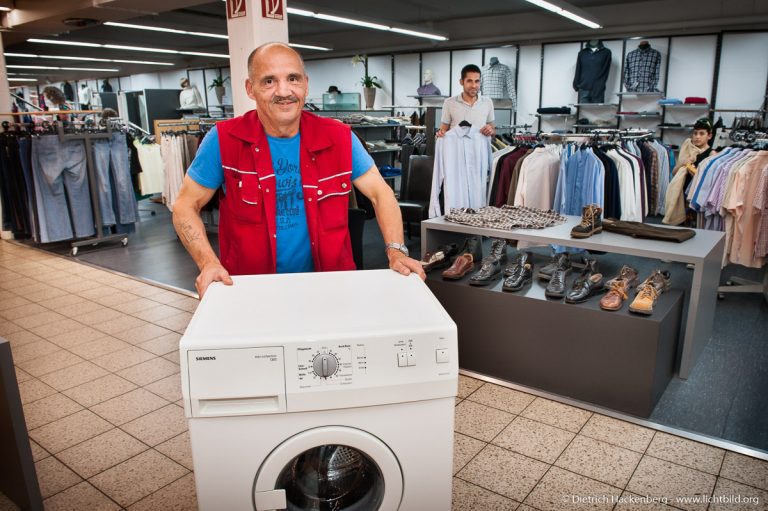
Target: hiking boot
x,y
591,222
649,291
499,250
557,261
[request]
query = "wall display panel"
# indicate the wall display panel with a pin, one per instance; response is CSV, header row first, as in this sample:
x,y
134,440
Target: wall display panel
x,y
407,80
170,79
125,83
339,72
440,64
613,85
210,74
381,68
662,45
557,82
528,84
742,74
146,81
692,67
508,57
460,59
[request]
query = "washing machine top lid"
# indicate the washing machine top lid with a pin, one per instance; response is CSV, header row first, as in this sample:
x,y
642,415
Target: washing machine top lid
x,y
272,310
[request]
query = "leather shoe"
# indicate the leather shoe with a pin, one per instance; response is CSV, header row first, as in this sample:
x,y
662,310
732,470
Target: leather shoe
x,y
556,286
649,291
440,258
461,265
587,284
520,274
618,290
558,260
489,271
626,273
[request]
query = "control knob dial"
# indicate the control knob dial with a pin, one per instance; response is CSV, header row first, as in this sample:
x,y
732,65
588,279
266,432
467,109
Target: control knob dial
x,y
325,365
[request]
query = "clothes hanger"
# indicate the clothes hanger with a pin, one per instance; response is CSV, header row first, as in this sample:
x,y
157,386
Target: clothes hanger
x,y
465,124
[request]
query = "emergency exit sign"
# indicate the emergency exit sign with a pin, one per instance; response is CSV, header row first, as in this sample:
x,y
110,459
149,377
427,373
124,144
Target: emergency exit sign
x,y
272,9
236,8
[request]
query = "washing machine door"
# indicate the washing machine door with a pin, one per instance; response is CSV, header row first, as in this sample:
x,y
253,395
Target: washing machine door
x,y
332,468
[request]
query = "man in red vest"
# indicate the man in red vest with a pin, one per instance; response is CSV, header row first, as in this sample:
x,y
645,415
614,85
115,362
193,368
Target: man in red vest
x,y
286,176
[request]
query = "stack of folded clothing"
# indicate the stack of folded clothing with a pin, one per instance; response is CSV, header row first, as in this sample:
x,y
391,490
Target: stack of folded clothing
x,y
694,100
554,110
669,101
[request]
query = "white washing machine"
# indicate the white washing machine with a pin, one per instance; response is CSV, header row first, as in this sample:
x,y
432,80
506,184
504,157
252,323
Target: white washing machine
x,y
321,391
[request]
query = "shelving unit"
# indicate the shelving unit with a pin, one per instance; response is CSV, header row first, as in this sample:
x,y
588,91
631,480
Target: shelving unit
x,y
704,251
582,107
640,102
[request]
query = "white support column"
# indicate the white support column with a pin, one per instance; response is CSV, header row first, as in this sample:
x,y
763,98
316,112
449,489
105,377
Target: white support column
x,y
5,106
251,23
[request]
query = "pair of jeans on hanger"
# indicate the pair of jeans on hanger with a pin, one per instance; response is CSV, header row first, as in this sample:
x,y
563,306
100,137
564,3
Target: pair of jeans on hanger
x,y
117,201
61,189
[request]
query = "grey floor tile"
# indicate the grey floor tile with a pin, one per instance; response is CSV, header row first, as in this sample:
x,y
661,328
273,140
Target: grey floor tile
x,y
504,472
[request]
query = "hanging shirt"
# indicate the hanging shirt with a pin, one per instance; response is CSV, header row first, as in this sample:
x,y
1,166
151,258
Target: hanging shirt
x,y
462,168
497,81
538,179
641,70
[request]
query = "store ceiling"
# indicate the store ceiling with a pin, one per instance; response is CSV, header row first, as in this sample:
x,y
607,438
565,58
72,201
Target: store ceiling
x,y
467,24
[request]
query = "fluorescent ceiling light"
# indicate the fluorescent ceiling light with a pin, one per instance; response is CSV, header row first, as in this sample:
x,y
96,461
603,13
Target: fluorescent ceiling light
x,y
565,13
67,43
162,29
350,21
22,79
309,47
203,34
89,59
14,66
131,48
6,9
299,12
418,34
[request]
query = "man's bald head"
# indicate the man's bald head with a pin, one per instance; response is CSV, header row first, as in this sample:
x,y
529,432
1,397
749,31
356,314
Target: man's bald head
x,y
267,48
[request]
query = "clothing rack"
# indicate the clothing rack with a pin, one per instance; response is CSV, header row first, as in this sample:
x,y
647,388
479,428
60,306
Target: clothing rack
x,y
87,137
174,125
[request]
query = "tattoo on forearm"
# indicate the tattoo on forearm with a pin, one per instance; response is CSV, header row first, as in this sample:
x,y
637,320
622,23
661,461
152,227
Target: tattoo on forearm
x,y
188,231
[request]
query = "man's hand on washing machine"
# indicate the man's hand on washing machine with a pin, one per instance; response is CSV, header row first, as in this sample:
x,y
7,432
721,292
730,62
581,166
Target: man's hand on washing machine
x,y
405,265
211,272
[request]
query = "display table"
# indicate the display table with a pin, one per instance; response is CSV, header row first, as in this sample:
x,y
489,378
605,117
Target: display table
x,y
704,251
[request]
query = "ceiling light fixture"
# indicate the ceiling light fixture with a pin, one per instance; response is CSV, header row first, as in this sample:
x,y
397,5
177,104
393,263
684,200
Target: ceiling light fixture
x,y
204,34
361,23
129,48
6,9
88,59
22,79
550,6
163,29
14,66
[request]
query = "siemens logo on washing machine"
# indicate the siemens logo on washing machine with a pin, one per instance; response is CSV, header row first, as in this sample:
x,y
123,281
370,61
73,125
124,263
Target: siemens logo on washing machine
x,y
205,358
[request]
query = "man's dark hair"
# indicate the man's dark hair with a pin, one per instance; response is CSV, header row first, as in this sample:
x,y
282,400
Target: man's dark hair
x,y
469,68
703,124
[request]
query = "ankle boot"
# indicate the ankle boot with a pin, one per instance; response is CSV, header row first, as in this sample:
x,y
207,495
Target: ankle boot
x,y
591,222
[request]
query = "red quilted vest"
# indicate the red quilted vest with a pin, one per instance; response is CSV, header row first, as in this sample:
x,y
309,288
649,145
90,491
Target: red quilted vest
x,y
247,224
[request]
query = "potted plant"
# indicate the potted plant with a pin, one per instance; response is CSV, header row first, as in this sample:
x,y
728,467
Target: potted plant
x,y
370,83
217,84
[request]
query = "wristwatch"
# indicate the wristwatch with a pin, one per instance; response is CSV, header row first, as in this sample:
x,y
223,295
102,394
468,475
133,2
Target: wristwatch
x,y
397,246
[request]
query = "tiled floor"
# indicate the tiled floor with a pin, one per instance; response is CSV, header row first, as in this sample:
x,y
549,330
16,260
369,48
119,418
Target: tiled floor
x,y
97,365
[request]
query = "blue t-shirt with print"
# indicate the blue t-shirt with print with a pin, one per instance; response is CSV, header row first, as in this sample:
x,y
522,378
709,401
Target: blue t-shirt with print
x,y
293,250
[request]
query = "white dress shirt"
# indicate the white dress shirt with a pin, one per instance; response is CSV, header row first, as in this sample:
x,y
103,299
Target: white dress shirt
x,y
462,167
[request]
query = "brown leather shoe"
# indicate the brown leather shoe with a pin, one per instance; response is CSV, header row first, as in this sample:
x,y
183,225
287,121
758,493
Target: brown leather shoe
x,y
614,300
461,265
625,273
649,291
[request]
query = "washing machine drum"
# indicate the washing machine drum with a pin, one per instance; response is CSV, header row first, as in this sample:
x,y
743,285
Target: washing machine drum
x,y
332,478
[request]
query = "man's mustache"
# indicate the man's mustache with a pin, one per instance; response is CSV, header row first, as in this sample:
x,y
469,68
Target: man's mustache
x,y
284,99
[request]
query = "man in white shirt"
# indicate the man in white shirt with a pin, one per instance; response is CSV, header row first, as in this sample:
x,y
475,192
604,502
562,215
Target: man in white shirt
x,y
468,106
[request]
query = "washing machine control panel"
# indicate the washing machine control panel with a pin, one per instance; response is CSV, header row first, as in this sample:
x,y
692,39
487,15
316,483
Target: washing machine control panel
x,y
323,364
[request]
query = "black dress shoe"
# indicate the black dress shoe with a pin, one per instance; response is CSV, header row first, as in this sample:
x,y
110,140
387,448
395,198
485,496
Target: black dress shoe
x,y
558,260
520,273
589,283
556,286
489,271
